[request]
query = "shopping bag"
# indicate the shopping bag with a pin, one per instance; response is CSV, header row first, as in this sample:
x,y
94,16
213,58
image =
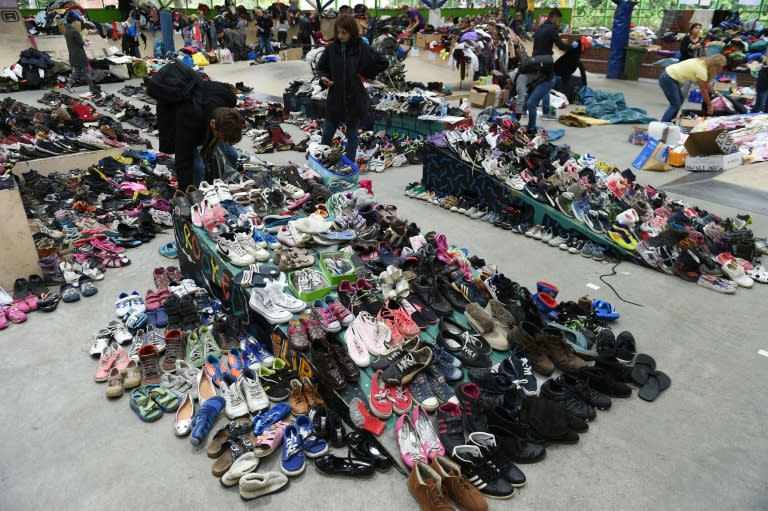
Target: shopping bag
x,y
653,156
225,56
199,59
557,99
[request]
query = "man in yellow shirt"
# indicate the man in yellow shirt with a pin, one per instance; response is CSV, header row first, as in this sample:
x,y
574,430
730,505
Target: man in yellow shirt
x,y
701,70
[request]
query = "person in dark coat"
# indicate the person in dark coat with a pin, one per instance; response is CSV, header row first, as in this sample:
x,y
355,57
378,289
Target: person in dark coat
x,y
77,57
187,111
343,66
761,86
566,66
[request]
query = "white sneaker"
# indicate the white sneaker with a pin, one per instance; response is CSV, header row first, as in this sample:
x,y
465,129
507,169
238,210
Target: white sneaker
x,y
249,245
261,301
229,247
399,160
235,405
120,332
374,333
255,397
276,290
99,342
356,347
222,190
209,193
294,192
5,298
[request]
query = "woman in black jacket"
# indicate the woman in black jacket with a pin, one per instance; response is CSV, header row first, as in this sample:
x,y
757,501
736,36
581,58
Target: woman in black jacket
x,y
692,46
343,67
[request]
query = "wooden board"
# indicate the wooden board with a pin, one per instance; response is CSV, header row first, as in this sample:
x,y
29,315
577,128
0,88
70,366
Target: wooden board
x,y
18,256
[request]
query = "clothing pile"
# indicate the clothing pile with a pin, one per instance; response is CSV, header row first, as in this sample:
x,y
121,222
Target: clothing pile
x,y
607,106
642,36
48,20
485,48
669,235
749,132
390,304
741,47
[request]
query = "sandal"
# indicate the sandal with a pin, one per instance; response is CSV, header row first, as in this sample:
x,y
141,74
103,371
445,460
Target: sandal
x,y
269,440
164,398
758,274
144,408
68,293
49,301
135,319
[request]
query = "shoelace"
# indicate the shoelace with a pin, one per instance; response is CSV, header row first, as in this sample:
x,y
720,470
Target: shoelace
x,y
399,395
406,362
293,447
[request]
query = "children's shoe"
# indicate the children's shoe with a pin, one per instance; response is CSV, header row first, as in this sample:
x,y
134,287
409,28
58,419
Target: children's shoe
x,y
293,461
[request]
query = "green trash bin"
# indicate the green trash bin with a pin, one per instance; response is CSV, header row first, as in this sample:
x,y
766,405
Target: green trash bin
x,y
633,61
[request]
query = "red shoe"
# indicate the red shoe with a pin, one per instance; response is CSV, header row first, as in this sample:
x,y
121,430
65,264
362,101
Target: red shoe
x,y
401,398
381,403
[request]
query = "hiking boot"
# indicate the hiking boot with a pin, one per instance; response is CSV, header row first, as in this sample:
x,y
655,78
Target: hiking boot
x,y
457,486
514,438
555,391
450,426
481,472
598,379
524,336
471,408
558,350
402,371
488,446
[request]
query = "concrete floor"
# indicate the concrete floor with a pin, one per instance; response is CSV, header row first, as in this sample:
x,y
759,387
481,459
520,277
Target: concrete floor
x,y
701,445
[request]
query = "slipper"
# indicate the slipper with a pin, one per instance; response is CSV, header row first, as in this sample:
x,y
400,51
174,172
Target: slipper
x,y
644,366
68,293
87,287
269,440
15,315
161,318
270,417
245,464
605,310
657,383
219,443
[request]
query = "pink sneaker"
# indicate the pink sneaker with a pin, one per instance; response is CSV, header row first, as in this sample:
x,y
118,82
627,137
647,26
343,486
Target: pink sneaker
x,y
106,362
121,357
407,438
342,313
326,316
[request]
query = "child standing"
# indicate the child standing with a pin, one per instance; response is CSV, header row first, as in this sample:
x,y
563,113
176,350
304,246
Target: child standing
x,y
282,30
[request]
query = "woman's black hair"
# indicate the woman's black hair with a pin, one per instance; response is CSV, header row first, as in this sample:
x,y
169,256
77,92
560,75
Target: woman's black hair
x,y
349,24
694,25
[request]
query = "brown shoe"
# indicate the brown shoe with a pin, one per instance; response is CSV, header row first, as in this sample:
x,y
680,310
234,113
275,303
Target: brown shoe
x,y
559,351
458,487
426,486
310,392
524,336
585,302
298,402
149,358
174,348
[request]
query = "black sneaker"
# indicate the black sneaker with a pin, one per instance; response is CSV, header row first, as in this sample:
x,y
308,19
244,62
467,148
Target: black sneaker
x,y
385,360
517,368
583,391
273,385
606,344
402,371
471,408
488,446
462,344
481,472
450,426
494,387
552,390
626,348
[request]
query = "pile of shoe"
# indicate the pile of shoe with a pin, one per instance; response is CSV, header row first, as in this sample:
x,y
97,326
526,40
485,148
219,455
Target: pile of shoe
x,y
669,235
414,102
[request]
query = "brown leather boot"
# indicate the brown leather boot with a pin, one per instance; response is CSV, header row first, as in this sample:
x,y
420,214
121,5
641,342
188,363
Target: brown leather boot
x,y
426,486
558,350
458,487
524,336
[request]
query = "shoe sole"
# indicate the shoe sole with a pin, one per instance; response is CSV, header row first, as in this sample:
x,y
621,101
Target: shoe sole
x,y
293,473
281,489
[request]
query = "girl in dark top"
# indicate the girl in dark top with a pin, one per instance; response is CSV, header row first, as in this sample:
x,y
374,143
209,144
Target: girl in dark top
x,y
343,66
692,46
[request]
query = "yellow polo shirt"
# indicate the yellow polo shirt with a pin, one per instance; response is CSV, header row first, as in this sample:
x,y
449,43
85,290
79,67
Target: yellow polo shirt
x,y
693,70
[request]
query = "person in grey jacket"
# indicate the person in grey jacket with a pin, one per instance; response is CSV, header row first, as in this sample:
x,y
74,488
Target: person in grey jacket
x,y
77,57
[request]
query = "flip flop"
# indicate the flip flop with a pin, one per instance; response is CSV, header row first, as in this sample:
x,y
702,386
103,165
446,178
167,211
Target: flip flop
x,y
657,383
644,366
605,310
49,301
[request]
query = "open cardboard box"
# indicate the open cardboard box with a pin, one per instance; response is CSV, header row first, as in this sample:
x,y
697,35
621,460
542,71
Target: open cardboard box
x,y
710,151
483,96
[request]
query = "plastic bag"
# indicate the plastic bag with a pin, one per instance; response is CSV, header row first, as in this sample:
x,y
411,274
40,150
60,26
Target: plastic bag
x,y
225,56
200,60
219,165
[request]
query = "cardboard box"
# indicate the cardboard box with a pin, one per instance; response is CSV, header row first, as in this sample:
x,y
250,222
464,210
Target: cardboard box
x,y
710,151
292,54
676,157
424,40
483,96
637,135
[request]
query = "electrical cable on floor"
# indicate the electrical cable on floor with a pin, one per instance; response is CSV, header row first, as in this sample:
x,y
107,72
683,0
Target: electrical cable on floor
x,y
613,272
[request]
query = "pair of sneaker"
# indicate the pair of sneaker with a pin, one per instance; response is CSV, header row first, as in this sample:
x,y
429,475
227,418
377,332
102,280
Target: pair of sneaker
x,y
274,304
240,248
129,302
300,441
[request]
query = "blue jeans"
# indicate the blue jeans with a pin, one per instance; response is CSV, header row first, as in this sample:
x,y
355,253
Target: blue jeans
x,y
761,102
671,89
540,93
329,129
82,72
265,43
